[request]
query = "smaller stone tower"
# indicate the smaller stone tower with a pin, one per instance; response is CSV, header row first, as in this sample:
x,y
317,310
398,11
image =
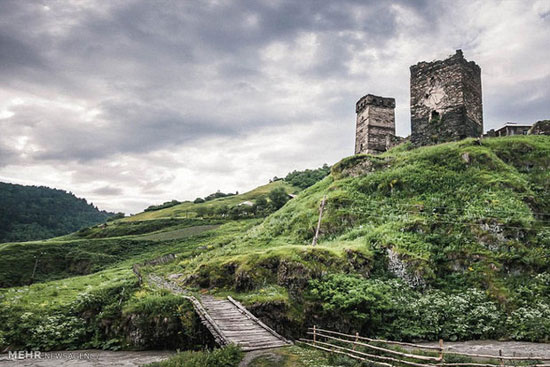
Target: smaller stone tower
x,y
375,129
445,100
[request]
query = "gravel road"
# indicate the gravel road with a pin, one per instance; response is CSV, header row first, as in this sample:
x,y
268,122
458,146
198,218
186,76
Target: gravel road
x,y
87,358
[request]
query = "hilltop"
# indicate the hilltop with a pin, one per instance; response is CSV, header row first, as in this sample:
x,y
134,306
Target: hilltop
x,y
33,213
449,241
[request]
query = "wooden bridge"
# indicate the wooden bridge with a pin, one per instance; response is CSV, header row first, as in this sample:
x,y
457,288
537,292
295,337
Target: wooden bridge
x,y
228,321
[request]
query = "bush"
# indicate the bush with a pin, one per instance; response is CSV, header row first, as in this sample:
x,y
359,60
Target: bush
x,y
530,323
394,310
278,197
307,178
165,205
229,356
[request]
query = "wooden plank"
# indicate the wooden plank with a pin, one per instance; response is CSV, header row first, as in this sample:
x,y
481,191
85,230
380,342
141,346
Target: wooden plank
x,y
248,314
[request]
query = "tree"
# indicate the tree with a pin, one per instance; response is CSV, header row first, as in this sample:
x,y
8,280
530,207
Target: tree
x,y
307,178
198,200
118,215
278,197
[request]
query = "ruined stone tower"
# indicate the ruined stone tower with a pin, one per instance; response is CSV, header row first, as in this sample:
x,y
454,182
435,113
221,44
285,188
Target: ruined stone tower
x,y
445,100
375,129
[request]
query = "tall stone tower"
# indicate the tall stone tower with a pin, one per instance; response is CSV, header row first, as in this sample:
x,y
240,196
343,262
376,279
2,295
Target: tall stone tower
x,y
445,100
375,129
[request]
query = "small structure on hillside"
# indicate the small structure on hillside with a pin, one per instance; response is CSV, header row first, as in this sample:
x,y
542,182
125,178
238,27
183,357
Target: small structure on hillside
x,y
509,129
445,100
375,124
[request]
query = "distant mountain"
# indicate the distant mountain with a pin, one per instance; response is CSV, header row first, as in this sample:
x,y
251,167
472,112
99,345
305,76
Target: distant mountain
x,y
32,213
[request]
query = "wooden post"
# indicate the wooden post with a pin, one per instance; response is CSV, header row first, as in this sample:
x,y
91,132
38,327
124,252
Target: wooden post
x,y
500,355
314,242
356,340
34,269
314,334
441,351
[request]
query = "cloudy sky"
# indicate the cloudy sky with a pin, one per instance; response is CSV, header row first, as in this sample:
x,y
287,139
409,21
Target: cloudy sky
x,y
134,102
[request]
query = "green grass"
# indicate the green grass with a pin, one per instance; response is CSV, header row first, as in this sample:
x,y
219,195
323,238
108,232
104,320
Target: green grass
x,y
227,357
60,293
189,209
456,216
301,356
446,241
179,234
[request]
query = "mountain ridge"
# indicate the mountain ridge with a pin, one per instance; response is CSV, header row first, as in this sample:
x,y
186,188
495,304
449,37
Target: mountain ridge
x,y
38,212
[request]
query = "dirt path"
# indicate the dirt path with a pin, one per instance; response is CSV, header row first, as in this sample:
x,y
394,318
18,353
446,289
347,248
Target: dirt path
x,y
88,358
491,347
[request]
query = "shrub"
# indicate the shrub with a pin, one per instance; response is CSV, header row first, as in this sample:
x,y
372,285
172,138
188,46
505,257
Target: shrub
x,y
530,323
394,310
229,356
307,178
278,197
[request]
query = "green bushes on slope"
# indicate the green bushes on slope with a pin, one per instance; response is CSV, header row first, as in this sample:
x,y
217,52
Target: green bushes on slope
x,y
308,177
229,356
113,315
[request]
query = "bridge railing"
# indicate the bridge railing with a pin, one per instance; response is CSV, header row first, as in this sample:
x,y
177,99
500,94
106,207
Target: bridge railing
x,y
388,353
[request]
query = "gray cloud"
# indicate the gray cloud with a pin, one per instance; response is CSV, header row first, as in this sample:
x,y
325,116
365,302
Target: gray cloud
x,y
108,191
153,101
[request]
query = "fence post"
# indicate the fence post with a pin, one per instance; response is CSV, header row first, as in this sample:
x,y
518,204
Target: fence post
x,y
356,340
314,334
441,356
500,355
314,241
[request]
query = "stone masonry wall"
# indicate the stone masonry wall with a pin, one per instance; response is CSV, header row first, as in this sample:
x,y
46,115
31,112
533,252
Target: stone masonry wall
x,y
375,129
446,100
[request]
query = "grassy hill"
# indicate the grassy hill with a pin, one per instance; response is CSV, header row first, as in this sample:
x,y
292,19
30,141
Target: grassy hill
x,y
31,213
449,241
189,209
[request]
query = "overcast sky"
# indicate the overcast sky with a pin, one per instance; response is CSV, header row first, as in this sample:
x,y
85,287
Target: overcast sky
x,y
132,103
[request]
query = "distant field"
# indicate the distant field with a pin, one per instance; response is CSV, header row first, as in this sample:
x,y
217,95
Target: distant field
x,y
179,233
189,209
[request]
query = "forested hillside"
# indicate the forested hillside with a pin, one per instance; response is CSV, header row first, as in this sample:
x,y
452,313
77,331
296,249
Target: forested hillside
x,y
32,213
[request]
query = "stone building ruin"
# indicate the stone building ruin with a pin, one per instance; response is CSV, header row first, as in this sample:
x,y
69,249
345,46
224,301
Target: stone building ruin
x,y
445,101
375,126
445,106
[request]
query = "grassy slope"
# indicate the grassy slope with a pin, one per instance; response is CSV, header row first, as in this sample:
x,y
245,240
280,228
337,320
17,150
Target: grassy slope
x,y
428,205
455,217
107,308
458,217
189,209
